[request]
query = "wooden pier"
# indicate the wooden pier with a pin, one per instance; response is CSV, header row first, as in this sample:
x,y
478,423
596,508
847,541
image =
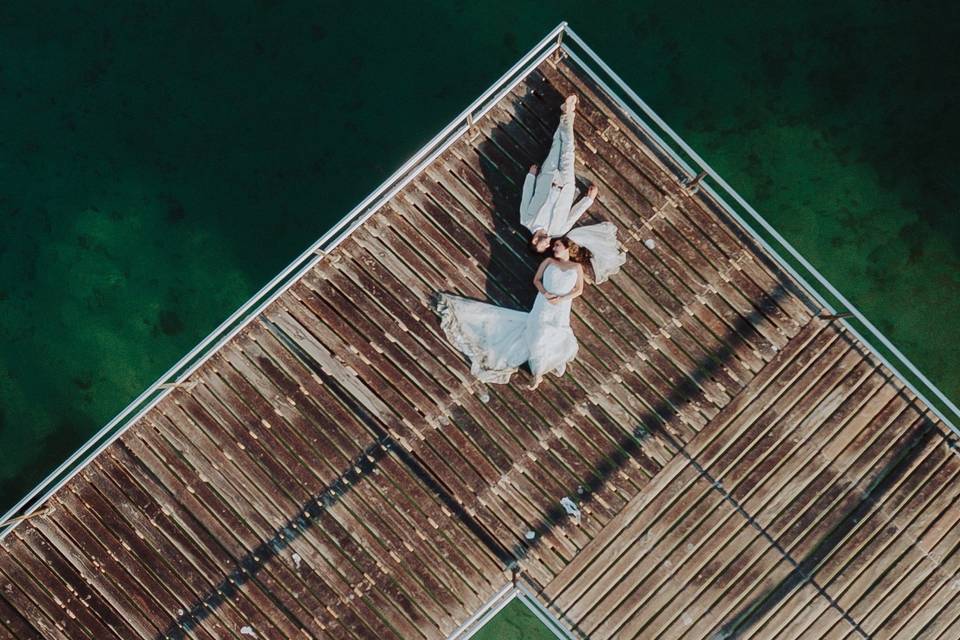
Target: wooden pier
x,y
744,468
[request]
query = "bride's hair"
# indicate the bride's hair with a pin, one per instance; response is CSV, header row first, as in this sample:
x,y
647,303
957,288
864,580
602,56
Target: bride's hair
x,y
577,253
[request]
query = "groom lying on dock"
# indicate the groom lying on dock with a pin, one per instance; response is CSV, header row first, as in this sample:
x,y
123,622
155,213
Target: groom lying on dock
x,y
548,208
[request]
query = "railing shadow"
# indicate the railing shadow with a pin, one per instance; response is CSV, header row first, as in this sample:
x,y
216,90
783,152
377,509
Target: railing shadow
x,y
507,246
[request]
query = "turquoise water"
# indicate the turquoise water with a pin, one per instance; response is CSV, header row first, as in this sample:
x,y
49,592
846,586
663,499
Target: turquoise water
x,y
514,622
160,164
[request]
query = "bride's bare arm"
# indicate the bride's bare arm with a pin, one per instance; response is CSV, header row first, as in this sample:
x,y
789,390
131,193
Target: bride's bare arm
x,y
577,288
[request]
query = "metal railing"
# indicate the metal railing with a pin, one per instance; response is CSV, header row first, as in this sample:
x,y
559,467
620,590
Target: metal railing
x,y
482,616
654,126
180,372
792,261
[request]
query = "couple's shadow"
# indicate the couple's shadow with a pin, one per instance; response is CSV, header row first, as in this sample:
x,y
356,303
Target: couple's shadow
x,y
509,239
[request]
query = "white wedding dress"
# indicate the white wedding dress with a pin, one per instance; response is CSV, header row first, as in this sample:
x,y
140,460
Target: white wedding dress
x,y
498,340
547,203
606,255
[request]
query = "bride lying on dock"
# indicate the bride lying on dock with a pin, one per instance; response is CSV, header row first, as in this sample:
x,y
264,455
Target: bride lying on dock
x,y
498,340
547,205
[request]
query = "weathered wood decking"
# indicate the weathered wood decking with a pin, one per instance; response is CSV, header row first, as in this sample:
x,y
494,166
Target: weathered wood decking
x,y
744,468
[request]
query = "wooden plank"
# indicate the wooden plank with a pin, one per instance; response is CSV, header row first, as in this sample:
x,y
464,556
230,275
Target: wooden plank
x,y
930,581
748,483
21,591
261,519
436,461
40,569
590,125
598,291
518,291
148,570
126,607
627,353
746,578
811,603
647,568
553,446
913,492
338,417
574,613
196,510
364,334
152,521
13,624
830,495
373,322
252,497
865,528
765,581
731,484
831,463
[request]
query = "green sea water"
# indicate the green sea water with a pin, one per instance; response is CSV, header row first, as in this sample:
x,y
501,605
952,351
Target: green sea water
x,y
159,162
514,622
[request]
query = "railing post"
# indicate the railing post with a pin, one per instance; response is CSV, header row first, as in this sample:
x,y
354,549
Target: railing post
x,y
693,186
559,54
38,512
835,316
472,130
186,384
